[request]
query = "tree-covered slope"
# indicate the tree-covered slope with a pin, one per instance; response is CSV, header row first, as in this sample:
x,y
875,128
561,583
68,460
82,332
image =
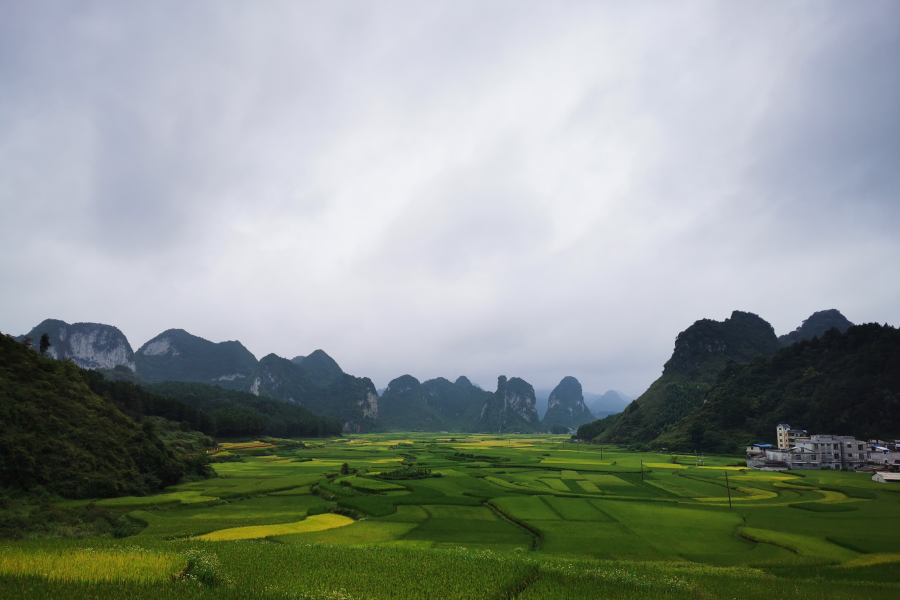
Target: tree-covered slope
x,y
841,383
510,408
434,405
56,433
243,414
701,352
458,403
88,345
403,407
321,368
176,355
566,405
351,400
816,326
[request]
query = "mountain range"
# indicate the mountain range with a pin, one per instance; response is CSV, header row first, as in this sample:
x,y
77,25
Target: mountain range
x,y
316,383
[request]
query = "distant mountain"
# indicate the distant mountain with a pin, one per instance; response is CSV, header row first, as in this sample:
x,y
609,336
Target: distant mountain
x,y
88,345
511,408
351,400
403,407
459,403
323,369
840,383
610,402
176,355
701,352
435,405
566,405
816,325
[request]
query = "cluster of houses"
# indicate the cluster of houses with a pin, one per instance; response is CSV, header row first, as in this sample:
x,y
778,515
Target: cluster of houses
x,y
799,450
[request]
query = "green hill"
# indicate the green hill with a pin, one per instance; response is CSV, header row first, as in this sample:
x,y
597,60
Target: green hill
x,y
176,355
566,405
841,383
816,326
321,368
351,400
458,403
58,435
242,414
511,408
403,407
701,352
434,405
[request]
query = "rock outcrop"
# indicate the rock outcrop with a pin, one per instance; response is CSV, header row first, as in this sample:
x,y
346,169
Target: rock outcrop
x,y
566,405
88,345
511,408
701,352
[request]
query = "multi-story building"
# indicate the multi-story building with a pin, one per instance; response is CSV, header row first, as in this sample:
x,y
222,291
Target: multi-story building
x,y
801,451
787,437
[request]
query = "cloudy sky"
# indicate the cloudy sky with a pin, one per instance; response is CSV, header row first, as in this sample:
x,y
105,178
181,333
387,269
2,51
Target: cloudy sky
x,y
534,189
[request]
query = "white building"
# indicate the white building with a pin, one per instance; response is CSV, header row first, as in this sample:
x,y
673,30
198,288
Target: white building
x,y
883,477
796,450
883,453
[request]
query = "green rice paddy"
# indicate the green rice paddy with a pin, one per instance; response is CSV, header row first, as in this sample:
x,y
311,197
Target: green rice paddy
x,y
531,517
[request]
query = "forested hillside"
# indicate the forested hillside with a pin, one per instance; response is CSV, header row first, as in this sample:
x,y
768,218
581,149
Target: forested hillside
x,y
701,352
842,383
242,414
176,355
435,405
57,434
816,326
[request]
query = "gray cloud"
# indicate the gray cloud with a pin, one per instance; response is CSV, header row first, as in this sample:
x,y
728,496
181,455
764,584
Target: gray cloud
x,y
449,188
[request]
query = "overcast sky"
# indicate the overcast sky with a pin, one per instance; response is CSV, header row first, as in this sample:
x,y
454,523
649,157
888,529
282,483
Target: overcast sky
x,y
482,188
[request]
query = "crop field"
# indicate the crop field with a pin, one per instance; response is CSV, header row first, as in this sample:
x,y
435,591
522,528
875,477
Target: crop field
x,y
530,517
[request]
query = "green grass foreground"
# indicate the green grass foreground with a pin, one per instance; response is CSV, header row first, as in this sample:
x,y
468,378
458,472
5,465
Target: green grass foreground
x,y
529,517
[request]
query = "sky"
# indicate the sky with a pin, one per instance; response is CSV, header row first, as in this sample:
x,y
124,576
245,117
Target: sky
x,y
531,189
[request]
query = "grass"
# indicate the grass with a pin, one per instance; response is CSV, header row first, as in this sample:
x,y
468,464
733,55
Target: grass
x,y
544,519
88,564
253,532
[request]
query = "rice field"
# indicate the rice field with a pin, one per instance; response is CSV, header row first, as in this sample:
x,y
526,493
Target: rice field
x,y
530,517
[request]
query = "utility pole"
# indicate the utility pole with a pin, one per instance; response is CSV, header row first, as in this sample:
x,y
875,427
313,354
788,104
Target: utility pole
x,y
642,469
727,487
601,452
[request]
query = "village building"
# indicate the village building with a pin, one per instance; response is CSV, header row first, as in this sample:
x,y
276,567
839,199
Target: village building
x,y
787,437
798,450
883,477
884,453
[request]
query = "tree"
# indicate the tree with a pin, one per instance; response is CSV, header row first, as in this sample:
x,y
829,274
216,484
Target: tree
x,y
27,342
45,343
345,469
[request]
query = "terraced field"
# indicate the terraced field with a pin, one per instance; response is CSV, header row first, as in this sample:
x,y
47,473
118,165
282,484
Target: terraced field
x,y
498,517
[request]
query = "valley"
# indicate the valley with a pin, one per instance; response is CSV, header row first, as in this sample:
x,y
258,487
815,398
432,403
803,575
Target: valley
x,y
489,516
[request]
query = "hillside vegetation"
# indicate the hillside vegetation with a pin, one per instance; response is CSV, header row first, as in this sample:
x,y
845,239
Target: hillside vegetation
x,y
176,355
701,352
842,383
59,436
241,414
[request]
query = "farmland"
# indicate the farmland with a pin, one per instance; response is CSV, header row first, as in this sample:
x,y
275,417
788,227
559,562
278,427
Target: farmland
x,y
531,517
